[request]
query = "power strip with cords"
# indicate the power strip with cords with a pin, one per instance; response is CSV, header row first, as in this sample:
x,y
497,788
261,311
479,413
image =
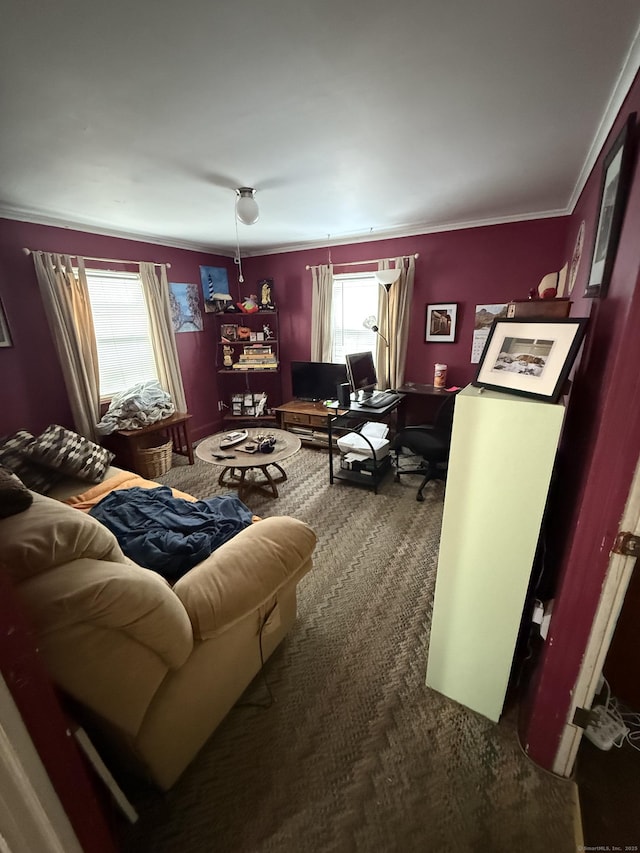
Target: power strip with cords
x,y
605,729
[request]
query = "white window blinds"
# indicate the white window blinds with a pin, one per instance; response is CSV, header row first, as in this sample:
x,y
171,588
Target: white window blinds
x,y
355,297
125,352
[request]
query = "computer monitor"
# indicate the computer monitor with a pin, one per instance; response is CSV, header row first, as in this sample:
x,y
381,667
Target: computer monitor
x,y
316,380
362,373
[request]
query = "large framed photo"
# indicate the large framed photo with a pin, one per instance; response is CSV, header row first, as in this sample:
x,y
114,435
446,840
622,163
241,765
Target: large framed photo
x,y
613,198
441,323
531,358
5,337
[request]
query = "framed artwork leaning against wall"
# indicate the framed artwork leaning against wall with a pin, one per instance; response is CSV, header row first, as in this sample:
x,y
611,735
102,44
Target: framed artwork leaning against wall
x,y
531,358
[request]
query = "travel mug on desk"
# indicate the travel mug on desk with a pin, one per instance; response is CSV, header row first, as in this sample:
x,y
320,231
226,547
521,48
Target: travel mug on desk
x,y
440,376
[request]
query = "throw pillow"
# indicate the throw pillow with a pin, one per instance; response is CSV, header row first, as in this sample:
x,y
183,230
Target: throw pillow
x,y
15,497
71,454
14,455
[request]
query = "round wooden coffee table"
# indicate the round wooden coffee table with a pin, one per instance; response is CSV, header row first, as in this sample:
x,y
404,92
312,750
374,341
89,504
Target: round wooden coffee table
x,y
234,470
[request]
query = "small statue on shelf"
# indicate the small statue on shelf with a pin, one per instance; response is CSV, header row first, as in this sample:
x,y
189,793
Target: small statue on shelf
x,y
266,294
268,334
227,359
261,405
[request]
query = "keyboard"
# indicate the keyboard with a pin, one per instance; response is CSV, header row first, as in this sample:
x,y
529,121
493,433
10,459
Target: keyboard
x,y
379,400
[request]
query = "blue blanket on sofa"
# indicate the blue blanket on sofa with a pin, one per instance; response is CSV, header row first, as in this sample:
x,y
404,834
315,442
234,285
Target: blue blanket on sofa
x,y
166,534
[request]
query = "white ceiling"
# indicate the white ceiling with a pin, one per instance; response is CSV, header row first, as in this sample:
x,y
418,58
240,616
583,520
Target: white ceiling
x,y
352,120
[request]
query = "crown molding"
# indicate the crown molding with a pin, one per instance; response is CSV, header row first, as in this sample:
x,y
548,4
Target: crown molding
x,y
414,230
620,90
54,222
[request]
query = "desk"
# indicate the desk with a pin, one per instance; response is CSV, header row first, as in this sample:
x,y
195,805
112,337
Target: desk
x,y
419,396
176,427
338,417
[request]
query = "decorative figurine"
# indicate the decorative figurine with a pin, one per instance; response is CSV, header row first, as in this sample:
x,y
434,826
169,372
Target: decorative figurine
x,y
262,402
249,305
268,334
227,359
266,294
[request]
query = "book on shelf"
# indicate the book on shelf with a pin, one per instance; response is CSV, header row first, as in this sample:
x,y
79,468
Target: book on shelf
x,y
254,366
257,349
301,430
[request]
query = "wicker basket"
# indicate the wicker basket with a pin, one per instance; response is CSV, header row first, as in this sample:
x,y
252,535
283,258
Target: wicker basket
x,y
154,460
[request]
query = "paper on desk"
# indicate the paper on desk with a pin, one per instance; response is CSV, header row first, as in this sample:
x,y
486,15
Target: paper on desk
x,y
375,429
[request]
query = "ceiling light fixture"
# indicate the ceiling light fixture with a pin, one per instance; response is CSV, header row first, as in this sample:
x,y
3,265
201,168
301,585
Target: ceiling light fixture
x,y
247,210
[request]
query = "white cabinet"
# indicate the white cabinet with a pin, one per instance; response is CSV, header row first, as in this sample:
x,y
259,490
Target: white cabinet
x,y
502,454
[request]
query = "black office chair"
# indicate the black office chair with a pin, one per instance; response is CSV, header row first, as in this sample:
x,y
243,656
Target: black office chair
x,y
431,443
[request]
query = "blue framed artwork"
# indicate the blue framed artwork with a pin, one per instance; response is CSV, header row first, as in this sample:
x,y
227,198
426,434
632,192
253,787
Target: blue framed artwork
x,y
215,288
185,307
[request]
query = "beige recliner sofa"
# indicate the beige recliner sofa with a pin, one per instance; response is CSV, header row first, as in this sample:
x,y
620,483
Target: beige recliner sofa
x,y
158,667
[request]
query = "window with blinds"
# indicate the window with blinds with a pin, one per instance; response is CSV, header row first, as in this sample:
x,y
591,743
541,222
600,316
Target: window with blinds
x,y
123,336
355,297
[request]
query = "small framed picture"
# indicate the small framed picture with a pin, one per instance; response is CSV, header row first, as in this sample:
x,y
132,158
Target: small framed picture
x,y
236,408
250,410
253,337
259,336
228,331
531,358
5,337
441,323
248,400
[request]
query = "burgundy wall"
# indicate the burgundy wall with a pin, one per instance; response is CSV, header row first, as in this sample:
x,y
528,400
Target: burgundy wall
x,y
476,265
601,447
472,266
32,391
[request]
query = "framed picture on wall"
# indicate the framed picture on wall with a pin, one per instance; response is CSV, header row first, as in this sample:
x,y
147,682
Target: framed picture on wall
x,y
441,323
616,173
531,358
5,337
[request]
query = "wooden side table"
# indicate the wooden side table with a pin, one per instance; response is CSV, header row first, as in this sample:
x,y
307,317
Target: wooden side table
x,y
175,427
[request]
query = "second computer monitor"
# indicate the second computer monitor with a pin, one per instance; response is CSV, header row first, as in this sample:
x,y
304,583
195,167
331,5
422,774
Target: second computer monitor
x,y
362,373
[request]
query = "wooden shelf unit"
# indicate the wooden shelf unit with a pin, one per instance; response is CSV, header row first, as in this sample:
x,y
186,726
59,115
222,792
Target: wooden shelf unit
x,y
250,380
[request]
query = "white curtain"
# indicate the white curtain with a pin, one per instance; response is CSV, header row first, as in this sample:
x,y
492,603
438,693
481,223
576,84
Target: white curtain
x,y
321,327
65,297
156,293
400,302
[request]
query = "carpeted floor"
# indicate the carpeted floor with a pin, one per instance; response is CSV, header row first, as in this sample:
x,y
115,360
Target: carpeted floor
x,y
356,754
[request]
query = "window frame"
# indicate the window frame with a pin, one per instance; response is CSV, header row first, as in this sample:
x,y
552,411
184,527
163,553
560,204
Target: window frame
x,y
121,276
369,338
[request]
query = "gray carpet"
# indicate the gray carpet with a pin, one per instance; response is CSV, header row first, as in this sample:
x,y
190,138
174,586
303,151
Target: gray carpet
x,y
356,754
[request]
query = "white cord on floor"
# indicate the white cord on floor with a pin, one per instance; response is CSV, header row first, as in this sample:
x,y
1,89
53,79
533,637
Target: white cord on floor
x,y
626,717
